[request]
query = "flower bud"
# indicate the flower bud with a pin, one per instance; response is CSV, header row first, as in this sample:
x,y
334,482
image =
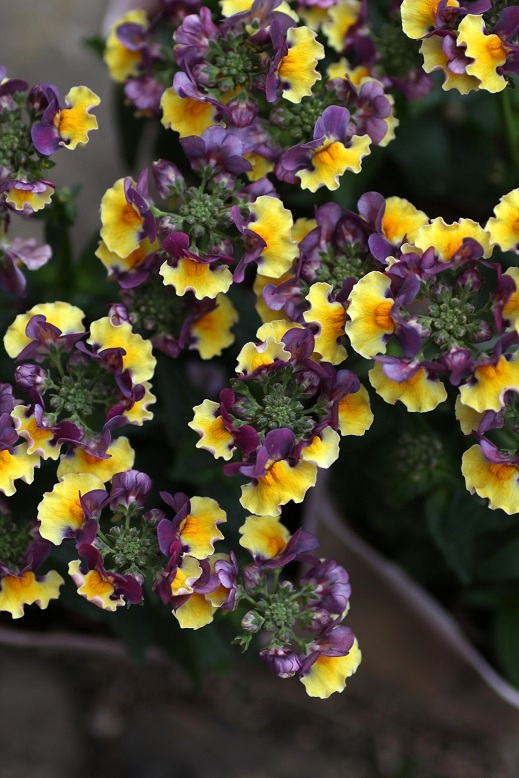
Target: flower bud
x,y
168,178
283,662
29,377
251,622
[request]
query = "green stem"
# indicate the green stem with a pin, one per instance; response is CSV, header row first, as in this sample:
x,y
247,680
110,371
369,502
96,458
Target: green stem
x,y
510,127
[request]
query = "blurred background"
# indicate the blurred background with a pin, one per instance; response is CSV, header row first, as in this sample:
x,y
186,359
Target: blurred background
x,y
80,706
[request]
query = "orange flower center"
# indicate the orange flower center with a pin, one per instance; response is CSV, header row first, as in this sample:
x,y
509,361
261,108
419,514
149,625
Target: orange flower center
x,y
382,316
96,585
491,372
503,472
495,48
329,157
130,216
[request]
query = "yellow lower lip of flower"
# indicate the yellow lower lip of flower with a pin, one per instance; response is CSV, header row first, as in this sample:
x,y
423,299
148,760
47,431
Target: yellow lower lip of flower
x,y
369,312
281,484
497,482
297,68
264,536
21,198
38,438
214,436
488,52
199,531
75,123
67,318
212,332
120,61
447,239
139,412
492,381
434,58
253,356
273,222
15,592
197,277
197,612
341,17
94,587
122,223
185,576
121,455
504,225
330,316
185,115
355,416
331,160
138,357
16,465
419,16
329,673
401,220
419,394
323,451
60,510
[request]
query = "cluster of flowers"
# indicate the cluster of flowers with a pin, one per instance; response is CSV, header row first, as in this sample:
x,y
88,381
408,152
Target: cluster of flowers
x,y
33,125
473,42
255,73
419,296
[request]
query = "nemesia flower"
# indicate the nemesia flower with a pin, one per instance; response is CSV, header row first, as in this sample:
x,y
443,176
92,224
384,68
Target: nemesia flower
x,y
490,381
28,195
330,317
26,588
369,310
443,53
68,126
493,475
332,151
15,253
328,674
191,273
73,502
294,67
59,319
504,225
269,233
342,16
420,391
121,60
419,17
194,525
16,464
105,589
214,436
185,114
354,412
448,239
137,357
488,52
119,457
123,223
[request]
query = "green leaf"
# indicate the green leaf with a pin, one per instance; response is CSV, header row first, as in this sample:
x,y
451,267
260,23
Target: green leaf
x,y
453,532
503,565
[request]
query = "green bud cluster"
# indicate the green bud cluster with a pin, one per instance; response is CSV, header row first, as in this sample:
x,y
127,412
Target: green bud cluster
x,y
275,400
399,54
154,309
417,455
80,394
14,541
232,62
451,318
203,213
298,120
335,268
281,610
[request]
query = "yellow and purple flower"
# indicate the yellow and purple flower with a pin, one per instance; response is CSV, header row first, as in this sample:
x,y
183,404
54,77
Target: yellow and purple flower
x,y
69,126
332,152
